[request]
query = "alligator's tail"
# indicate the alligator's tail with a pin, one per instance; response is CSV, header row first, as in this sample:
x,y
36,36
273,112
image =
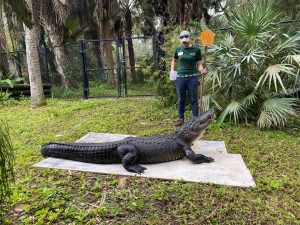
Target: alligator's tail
x,y
84,152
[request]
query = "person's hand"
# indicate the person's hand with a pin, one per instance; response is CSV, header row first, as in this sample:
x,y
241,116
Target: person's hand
x,y
202,69
173,75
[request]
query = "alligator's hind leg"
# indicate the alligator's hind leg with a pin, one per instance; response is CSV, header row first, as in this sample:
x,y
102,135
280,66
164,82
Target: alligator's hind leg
x,y
129,154
196,158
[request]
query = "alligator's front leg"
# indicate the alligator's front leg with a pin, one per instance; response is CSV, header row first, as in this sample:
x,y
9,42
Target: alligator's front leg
x,y
196,158
129,154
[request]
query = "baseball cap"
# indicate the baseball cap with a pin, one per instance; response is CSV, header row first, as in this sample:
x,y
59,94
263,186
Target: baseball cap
x,y
184,36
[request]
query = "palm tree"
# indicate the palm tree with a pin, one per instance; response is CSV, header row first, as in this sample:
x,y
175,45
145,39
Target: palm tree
x,y
9,7
53,16
126,14
29,15
107,14
32,55
3,50
91,26
253,72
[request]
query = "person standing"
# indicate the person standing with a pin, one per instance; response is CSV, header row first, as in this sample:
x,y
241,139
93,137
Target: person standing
x,y
189,64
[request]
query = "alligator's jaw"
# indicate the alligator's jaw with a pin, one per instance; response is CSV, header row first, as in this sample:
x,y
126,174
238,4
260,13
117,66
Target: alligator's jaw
x,y
195,127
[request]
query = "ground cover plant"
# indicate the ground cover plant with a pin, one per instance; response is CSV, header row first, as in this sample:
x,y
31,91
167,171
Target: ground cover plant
x,y
6,164
49,196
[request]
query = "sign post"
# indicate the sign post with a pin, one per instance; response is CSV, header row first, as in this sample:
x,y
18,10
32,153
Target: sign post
x,y
207,38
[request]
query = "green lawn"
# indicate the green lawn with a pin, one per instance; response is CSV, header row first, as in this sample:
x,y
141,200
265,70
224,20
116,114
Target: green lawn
x,y
100,89
49,196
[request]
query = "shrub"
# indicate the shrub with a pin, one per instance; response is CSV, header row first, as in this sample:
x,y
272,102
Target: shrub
x,y
254,70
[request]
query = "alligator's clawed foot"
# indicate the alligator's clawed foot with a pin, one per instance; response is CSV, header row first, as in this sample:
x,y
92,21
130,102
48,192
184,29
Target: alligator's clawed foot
x,y
209,160
136,169
203,159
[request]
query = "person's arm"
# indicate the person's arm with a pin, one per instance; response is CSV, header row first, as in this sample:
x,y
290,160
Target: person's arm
x,y
201,67
173,64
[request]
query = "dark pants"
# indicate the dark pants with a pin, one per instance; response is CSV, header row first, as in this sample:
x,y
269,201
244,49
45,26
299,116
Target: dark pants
x,y
189,84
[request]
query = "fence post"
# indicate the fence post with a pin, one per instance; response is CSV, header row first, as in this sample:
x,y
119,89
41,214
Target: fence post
x,y
161,53
83,70
155,52
45,51
19,63
119,77
124,65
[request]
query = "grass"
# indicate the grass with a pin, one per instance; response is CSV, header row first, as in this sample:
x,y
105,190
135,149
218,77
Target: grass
x,y
101,89
50,196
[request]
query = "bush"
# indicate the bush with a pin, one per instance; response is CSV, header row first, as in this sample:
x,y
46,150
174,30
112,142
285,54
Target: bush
x,y
253,71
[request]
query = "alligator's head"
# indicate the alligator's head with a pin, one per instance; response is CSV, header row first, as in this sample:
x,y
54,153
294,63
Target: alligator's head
x,y
193,129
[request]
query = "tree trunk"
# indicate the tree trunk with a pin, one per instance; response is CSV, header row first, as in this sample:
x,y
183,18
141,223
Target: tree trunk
x,y
197,10
187,14
128,32
176,11
34,70
182,13
108,51
60,56
97,51
3,50
32,56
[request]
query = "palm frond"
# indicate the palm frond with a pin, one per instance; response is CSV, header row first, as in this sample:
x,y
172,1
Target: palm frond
x,y
288,43
55,12
275,111
215,77
253,55
235,69
21,9
208,102
249,99
293,58
228,41
297,79
234,109
255,21
273,74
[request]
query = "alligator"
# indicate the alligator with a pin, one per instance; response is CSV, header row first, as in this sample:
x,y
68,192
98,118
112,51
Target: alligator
x,y
133,151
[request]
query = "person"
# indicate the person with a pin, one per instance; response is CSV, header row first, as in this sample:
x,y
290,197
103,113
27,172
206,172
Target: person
x,y
189,64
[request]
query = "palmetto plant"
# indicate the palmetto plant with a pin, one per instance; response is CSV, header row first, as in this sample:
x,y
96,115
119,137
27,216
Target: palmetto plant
x,y
254,69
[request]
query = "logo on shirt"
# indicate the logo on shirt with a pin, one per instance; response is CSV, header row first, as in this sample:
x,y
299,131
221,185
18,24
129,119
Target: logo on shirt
x,y
192,53
180,53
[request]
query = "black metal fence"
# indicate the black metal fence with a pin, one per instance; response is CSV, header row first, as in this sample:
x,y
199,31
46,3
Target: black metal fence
x,y
113,67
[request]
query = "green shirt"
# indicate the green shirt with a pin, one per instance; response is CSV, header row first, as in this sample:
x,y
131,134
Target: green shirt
x,y
187,58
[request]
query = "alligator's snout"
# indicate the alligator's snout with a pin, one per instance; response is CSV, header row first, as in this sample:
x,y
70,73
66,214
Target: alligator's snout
x,y
207,116
212,116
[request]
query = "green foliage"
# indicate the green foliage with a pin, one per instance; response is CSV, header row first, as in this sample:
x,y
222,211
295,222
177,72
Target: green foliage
x,y
6,164
47,196
274,111
252,73
8,80
20,8
166,88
